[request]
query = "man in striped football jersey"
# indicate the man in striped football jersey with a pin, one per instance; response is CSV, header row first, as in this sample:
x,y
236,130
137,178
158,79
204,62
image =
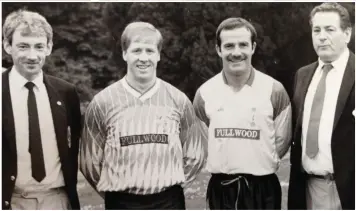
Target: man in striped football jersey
x,y
249,118
141,141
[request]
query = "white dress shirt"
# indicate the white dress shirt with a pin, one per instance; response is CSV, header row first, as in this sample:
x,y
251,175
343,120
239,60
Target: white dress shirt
x,y
19,95
322,164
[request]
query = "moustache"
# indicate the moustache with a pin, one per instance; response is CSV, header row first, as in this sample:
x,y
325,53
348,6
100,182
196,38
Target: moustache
x,y
31,61
233,58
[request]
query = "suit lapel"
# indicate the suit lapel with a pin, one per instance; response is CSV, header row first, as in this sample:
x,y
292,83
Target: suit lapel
x,y
348,81
305,82
59,117
8,124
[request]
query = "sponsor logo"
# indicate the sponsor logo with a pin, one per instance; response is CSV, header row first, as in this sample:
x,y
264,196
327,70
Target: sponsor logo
x,y
237,133
144,139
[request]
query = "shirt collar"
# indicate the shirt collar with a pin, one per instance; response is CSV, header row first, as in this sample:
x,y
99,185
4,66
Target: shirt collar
x,y
340,63
249,80
19,81
136,93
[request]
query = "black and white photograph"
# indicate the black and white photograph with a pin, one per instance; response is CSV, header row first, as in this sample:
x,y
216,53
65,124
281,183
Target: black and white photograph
x,y
178,105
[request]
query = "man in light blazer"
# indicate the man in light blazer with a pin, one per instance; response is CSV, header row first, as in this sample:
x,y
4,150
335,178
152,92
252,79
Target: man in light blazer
x,y
40,122
323,146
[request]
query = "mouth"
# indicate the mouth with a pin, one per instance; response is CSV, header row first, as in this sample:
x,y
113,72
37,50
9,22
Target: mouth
x,y
236,61
142,67
31,65
323,46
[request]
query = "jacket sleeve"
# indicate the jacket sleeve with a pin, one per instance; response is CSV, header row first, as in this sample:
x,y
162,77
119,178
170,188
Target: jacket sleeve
x,y
193,136
74,131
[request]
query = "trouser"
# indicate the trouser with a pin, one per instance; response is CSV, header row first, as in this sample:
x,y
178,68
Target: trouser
x,y
169,199
53,199
244,191
322,194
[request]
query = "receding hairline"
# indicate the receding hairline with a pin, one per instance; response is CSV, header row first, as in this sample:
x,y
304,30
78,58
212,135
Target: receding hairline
x,y
326,12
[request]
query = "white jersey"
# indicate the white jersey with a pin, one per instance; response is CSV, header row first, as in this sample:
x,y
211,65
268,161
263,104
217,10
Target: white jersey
x,y
141,144
249,130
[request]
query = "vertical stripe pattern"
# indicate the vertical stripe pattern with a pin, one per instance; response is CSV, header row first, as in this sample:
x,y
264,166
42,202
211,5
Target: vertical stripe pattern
x,y
146,164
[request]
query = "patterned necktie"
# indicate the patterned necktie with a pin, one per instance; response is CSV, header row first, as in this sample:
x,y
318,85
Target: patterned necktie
x,y
35,143
315,114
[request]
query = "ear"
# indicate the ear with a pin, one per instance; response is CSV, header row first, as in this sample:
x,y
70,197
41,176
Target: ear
x,y
49,48
7,47
348,32
218,50
254,47
124,55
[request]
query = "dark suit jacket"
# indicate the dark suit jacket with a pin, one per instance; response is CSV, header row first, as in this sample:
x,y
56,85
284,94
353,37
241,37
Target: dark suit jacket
x,y
342,140
65,115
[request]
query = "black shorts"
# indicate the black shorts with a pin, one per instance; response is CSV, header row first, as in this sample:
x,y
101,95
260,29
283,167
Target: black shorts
x,y
244,191
169,199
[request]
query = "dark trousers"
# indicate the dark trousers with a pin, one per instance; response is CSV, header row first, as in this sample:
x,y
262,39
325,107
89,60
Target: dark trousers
x,y
244,191
170,199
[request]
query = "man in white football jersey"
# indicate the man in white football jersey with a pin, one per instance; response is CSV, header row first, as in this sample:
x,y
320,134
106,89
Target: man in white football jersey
x,y
141,141
249,118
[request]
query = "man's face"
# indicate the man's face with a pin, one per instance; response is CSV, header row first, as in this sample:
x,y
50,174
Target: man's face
x,y
142,57
28,52
236,50
329,40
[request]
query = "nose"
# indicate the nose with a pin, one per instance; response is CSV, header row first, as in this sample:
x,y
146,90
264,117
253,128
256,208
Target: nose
x,y
322,35
32,54
236,51
143,56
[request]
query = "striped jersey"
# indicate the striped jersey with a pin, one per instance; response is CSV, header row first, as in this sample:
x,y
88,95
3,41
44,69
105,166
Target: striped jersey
x,y
249,130
141,143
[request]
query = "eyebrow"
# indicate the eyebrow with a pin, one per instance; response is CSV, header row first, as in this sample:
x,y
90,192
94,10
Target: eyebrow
x,y
22,43
328,26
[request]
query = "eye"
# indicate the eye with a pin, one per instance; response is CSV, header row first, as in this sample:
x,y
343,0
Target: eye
x,y
229,46
243,45
22,47
40,47
150,51
136,50
316,30
330,30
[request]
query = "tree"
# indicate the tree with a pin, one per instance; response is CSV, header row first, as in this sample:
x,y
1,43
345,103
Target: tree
x,y
87,49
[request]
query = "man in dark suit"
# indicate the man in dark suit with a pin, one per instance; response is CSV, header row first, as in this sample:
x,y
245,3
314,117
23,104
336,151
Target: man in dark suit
x,y
323,147
40,122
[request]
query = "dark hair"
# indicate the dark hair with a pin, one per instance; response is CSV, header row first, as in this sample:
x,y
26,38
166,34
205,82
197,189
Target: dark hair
x,y
233,23
332,7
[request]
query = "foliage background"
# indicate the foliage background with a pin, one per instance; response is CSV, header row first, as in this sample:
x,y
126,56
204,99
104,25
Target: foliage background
x,y
86,51
87,54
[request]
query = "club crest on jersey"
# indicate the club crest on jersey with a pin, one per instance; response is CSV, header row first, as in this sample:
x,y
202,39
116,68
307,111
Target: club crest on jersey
x,y
144,139
237,133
